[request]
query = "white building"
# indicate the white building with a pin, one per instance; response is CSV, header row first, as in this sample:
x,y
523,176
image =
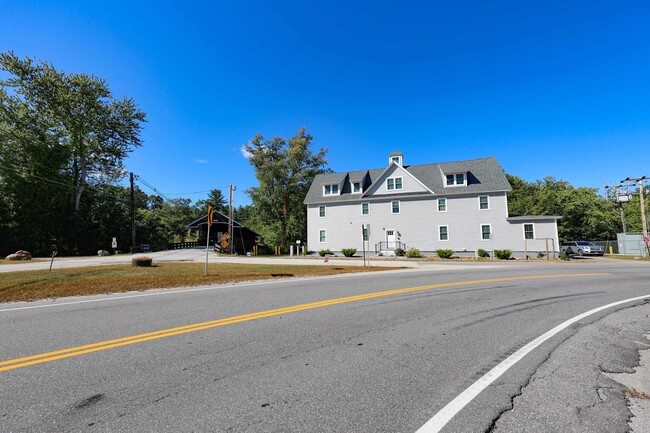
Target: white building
x,y
462,206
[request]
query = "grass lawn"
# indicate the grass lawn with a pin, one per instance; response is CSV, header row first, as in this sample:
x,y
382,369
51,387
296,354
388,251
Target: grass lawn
x,y
34,285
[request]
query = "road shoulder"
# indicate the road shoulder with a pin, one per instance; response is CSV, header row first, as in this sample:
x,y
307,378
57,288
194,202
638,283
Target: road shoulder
x,y
575,389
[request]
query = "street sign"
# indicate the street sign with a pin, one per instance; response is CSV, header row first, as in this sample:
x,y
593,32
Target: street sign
x,y
646,239
210,211
114,244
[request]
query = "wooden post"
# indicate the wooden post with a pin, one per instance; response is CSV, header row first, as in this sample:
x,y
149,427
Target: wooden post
x,y
132,214
547,257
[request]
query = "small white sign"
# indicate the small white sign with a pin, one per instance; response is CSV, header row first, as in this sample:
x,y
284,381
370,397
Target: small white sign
x,y
114,244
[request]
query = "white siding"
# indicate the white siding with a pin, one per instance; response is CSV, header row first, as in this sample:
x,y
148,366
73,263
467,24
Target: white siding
x,y
409,183
417,225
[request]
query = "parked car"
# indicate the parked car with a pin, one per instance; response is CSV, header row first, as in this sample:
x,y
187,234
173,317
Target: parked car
x,y
582,248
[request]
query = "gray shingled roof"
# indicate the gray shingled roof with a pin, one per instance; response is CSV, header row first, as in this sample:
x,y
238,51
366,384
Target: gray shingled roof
x,y
483,175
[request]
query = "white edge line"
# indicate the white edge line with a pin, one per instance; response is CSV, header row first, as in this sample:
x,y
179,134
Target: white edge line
x,y
441,418
162,291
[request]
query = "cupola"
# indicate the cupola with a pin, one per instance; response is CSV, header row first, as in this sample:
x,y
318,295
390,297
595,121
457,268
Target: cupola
x,y
396,157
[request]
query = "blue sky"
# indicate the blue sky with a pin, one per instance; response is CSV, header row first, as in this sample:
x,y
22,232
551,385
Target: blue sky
x,y
549,88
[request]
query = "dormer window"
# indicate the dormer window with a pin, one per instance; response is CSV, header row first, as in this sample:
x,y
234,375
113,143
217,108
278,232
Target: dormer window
x,y
393,183
331,189
356,187
456,179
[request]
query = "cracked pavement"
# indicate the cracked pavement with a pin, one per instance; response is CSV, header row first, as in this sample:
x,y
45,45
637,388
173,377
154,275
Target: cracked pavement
x,y
582,385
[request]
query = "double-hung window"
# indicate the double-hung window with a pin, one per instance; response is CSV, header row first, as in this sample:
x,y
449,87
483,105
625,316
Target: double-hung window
x,y
483,202
456,179
393,183
443,233
486,232
394,206
442,205
331,189
321,211
365,208
529,231
356,187
322,238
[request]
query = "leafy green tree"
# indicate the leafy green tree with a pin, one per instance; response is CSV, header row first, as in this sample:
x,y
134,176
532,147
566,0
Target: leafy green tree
x,y
62,137
243,214
284,170
585,214
94,130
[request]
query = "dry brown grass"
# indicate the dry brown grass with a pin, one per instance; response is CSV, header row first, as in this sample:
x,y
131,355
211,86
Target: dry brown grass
x,y
637,394
34,285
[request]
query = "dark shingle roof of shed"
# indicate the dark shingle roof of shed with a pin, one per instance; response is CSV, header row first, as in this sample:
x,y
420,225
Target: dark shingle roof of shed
x,y
483,175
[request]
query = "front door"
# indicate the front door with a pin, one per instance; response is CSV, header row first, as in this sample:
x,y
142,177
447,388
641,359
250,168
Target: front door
x,y
390,240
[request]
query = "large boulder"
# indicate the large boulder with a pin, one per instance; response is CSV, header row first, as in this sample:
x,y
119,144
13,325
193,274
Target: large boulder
x,y
19,255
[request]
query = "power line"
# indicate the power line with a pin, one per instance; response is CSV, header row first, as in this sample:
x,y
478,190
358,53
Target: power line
x,y
148,185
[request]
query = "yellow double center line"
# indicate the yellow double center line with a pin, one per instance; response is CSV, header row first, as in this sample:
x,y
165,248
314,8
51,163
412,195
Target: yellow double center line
x,y
139,338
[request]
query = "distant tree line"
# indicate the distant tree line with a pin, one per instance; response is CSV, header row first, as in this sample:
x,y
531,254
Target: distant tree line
x,y
64,139
585,214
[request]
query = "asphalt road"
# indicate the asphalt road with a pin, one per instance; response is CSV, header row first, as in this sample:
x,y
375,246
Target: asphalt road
x,y
368,362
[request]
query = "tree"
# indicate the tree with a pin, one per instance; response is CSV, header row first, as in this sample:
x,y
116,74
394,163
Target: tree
x,y
585,214
216,200
284,170
94,130
62,136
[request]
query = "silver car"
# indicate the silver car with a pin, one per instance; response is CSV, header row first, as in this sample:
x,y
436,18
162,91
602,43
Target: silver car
x,y
582,248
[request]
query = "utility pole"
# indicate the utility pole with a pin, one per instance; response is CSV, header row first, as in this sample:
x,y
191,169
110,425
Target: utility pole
x,y
644,222
230,215
621,195
132,213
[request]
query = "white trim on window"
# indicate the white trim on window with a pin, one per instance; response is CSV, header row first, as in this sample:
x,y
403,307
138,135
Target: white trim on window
x,y
392,207
532,226
446,233
322,236
367,209
331,189
483,233
354,188
322,213
394,183
487,202
452,179
444,204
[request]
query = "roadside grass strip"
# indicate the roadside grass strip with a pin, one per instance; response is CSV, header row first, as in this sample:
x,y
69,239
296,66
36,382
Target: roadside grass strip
x,y
140,338
36,285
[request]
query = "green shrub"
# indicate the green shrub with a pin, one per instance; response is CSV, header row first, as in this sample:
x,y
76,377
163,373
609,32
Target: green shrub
x,y
413,253
483,253
400,252
502,254
541,255
563,255
445,254
324,252
348,252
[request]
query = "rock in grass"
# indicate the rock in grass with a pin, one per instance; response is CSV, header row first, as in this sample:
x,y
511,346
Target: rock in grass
x,y
20,255
141,261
